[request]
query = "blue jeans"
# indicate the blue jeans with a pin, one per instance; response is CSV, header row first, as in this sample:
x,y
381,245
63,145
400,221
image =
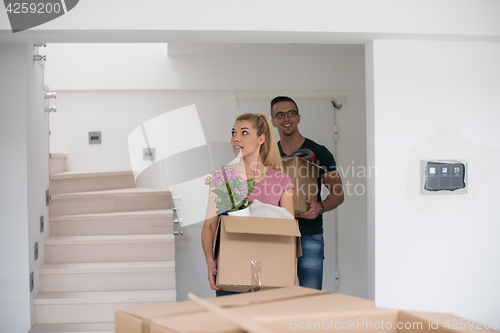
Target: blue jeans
x,y
310,264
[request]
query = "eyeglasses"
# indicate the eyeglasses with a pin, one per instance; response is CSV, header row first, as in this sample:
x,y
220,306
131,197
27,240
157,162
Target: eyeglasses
x,y
281,115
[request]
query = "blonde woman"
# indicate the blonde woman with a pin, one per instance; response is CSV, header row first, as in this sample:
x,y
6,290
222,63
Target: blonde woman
x,y
252,139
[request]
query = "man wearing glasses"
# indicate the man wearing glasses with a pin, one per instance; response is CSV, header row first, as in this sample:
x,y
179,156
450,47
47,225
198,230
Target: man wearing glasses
x,y
285,117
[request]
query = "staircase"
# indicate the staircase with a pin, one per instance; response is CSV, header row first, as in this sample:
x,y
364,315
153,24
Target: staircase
x,y
111,246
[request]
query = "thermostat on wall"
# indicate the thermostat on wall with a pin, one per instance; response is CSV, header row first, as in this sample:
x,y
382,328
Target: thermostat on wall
x,y
444,176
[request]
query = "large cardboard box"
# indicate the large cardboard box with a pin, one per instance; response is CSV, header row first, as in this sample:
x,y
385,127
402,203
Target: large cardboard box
x,y
140,320
289,309
304,175
256,252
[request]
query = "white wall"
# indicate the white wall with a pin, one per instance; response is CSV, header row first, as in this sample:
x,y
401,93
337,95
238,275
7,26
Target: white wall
x,y
352,214
370,162
37,131
214,84
149,67
436,101
24,169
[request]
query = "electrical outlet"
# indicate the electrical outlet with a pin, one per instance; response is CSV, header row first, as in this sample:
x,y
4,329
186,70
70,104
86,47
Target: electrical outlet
x,y
36,250
41,223
47,198
94,138
32,281
149,154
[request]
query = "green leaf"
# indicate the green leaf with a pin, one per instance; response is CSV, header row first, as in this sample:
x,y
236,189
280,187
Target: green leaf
x,y
220,193
250,186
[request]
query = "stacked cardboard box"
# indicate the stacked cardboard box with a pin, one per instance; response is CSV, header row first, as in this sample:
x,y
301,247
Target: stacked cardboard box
x,y
304,175
286,310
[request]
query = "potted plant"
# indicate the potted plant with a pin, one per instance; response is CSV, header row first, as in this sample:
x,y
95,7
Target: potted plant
x,y
231,191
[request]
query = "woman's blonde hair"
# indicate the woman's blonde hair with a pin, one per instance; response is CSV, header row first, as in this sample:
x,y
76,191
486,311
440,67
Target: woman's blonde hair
x,y
269,152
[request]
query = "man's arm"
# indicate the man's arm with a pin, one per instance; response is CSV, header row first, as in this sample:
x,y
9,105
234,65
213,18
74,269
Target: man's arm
x,y
333,183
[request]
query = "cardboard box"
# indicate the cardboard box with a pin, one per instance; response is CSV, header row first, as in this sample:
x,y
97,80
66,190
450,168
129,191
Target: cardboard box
x,y
256,252
139,320
286,310
304,175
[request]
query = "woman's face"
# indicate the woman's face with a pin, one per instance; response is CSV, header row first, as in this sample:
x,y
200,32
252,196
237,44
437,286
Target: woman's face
x,y
244,139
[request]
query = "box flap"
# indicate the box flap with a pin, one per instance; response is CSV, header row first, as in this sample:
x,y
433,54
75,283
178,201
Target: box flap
x,y
363,319
309,305
242,321
138,320
286,322
217,239
261,226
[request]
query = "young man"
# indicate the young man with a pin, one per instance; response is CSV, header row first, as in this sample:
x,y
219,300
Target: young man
x,y
285,117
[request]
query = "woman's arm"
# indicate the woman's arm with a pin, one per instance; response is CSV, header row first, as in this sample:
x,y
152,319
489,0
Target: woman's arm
x,y
286,201
208,237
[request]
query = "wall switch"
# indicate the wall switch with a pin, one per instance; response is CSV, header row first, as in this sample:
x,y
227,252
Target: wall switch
x,y
36,250
47,198
149,154
41,223
94,138
443,176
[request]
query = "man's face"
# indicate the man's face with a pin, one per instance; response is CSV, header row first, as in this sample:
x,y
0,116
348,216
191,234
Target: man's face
x,y
287,125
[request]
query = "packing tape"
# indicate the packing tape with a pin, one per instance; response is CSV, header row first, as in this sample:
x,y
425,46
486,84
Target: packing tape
x,y
255,275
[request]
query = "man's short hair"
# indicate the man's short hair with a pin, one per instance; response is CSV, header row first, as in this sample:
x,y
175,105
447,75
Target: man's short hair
x,y
282,99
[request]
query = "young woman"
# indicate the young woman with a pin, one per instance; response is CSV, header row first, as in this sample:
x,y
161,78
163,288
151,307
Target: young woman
x,y
252,139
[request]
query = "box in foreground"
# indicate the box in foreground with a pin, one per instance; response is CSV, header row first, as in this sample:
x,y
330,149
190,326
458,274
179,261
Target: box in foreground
x,y
289,309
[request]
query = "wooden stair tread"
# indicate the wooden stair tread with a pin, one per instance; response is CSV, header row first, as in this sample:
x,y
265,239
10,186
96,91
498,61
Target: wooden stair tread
x,y
90,174
109,239
107,267
74,328
146,214
120,193
54,155
103,297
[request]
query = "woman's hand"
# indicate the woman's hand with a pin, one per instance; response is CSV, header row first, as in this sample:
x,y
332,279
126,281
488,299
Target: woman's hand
x,y
212,272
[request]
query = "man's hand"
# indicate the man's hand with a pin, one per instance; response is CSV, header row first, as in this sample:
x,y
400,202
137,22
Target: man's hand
x,y
312,212
212,272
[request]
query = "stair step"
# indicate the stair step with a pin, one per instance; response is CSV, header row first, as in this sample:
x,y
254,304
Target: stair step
x,y
91,174
94,307
112,276
159,213
57,163
88,181
107,267
57,156
74,328
104,297
121,223
109,239
119,193
109,248
121,200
